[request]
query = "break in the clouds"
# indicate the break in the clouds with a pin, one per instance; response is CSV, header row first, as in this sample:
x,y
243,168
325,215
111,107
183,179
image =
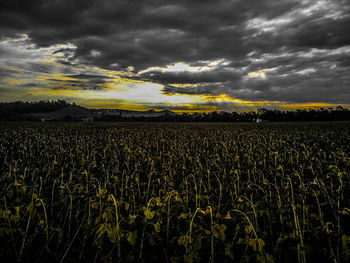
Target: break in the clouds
x,y
183,54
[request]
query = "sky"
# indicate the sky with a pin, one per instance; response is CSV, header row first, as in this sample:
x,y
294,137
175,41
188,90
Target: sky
x,y
181,55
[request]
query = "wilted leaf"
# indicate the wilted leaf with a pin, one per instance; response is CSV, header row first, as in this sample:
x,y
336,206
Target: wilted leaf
x,y
131,237
148,214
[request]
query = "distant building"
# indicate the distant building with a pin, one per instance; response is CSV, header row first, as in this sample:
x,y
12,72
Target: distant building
x,y
258,120
87,119
45,119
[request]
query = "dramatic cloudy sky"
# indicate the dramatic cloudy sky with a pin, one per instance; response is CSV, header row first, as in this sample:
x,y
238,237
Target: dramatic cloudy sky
x,y
185,55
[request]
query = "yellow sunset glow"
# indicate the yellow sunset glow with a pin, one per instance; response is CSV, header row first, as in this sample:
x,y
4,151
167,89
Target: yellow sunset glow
x,y
38,73
261,73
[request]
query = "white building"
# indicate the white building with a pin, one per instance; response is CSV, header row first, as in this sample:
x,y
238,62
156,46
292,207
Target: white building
x,y
87,119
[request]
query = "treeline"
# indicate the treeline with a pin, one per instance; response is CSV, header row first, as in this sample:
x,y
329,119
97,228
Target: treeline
x,y
33,107
331,114
20,111
263,115
15,111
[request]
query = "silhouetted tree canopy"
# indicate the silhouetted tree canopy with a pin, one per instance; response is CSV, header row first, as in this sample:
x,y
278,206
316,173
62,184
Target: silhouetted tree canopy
x,y
20,111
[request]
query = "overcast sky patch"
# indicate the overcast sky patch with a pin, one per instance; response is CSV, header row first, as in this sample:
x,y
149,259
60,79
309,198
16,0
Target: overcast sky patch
x,y
278,51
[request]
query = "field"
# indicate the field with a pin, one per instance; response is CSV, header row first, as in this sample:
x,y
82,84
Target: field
x,y
188,192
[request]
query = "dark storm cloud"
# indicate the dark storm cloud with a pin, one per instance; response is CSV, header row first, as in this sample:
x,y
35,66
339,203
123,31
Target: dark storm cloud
x,y
74,87
140,33
86,82
6,73
201,89
289,37
191,77
90,77
322,85
69,81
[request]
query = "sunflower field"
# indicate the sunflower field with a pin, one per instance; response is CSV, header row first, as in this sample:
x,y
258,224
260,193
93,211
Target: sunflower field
x,y
175,192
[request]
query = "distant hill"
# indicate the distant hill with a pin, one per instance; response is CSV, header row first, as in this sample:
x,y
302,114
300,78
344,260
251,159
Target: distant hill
x,y
19,110
60,110
64,111
69,112
37,106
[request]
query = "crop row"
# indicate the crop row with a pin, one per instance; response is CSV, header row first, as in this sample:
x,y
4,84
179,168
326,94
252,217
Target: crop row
x,y
175,192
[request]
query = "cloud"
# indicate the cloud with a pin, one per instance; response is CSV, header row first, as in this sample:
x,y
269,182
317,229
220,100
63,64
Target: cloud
x,y
94,45
181,73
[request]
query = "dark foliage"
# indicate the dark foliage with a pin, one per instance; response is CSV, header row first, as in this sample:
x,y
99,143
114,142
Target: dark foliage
x,y
14,111
20,111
